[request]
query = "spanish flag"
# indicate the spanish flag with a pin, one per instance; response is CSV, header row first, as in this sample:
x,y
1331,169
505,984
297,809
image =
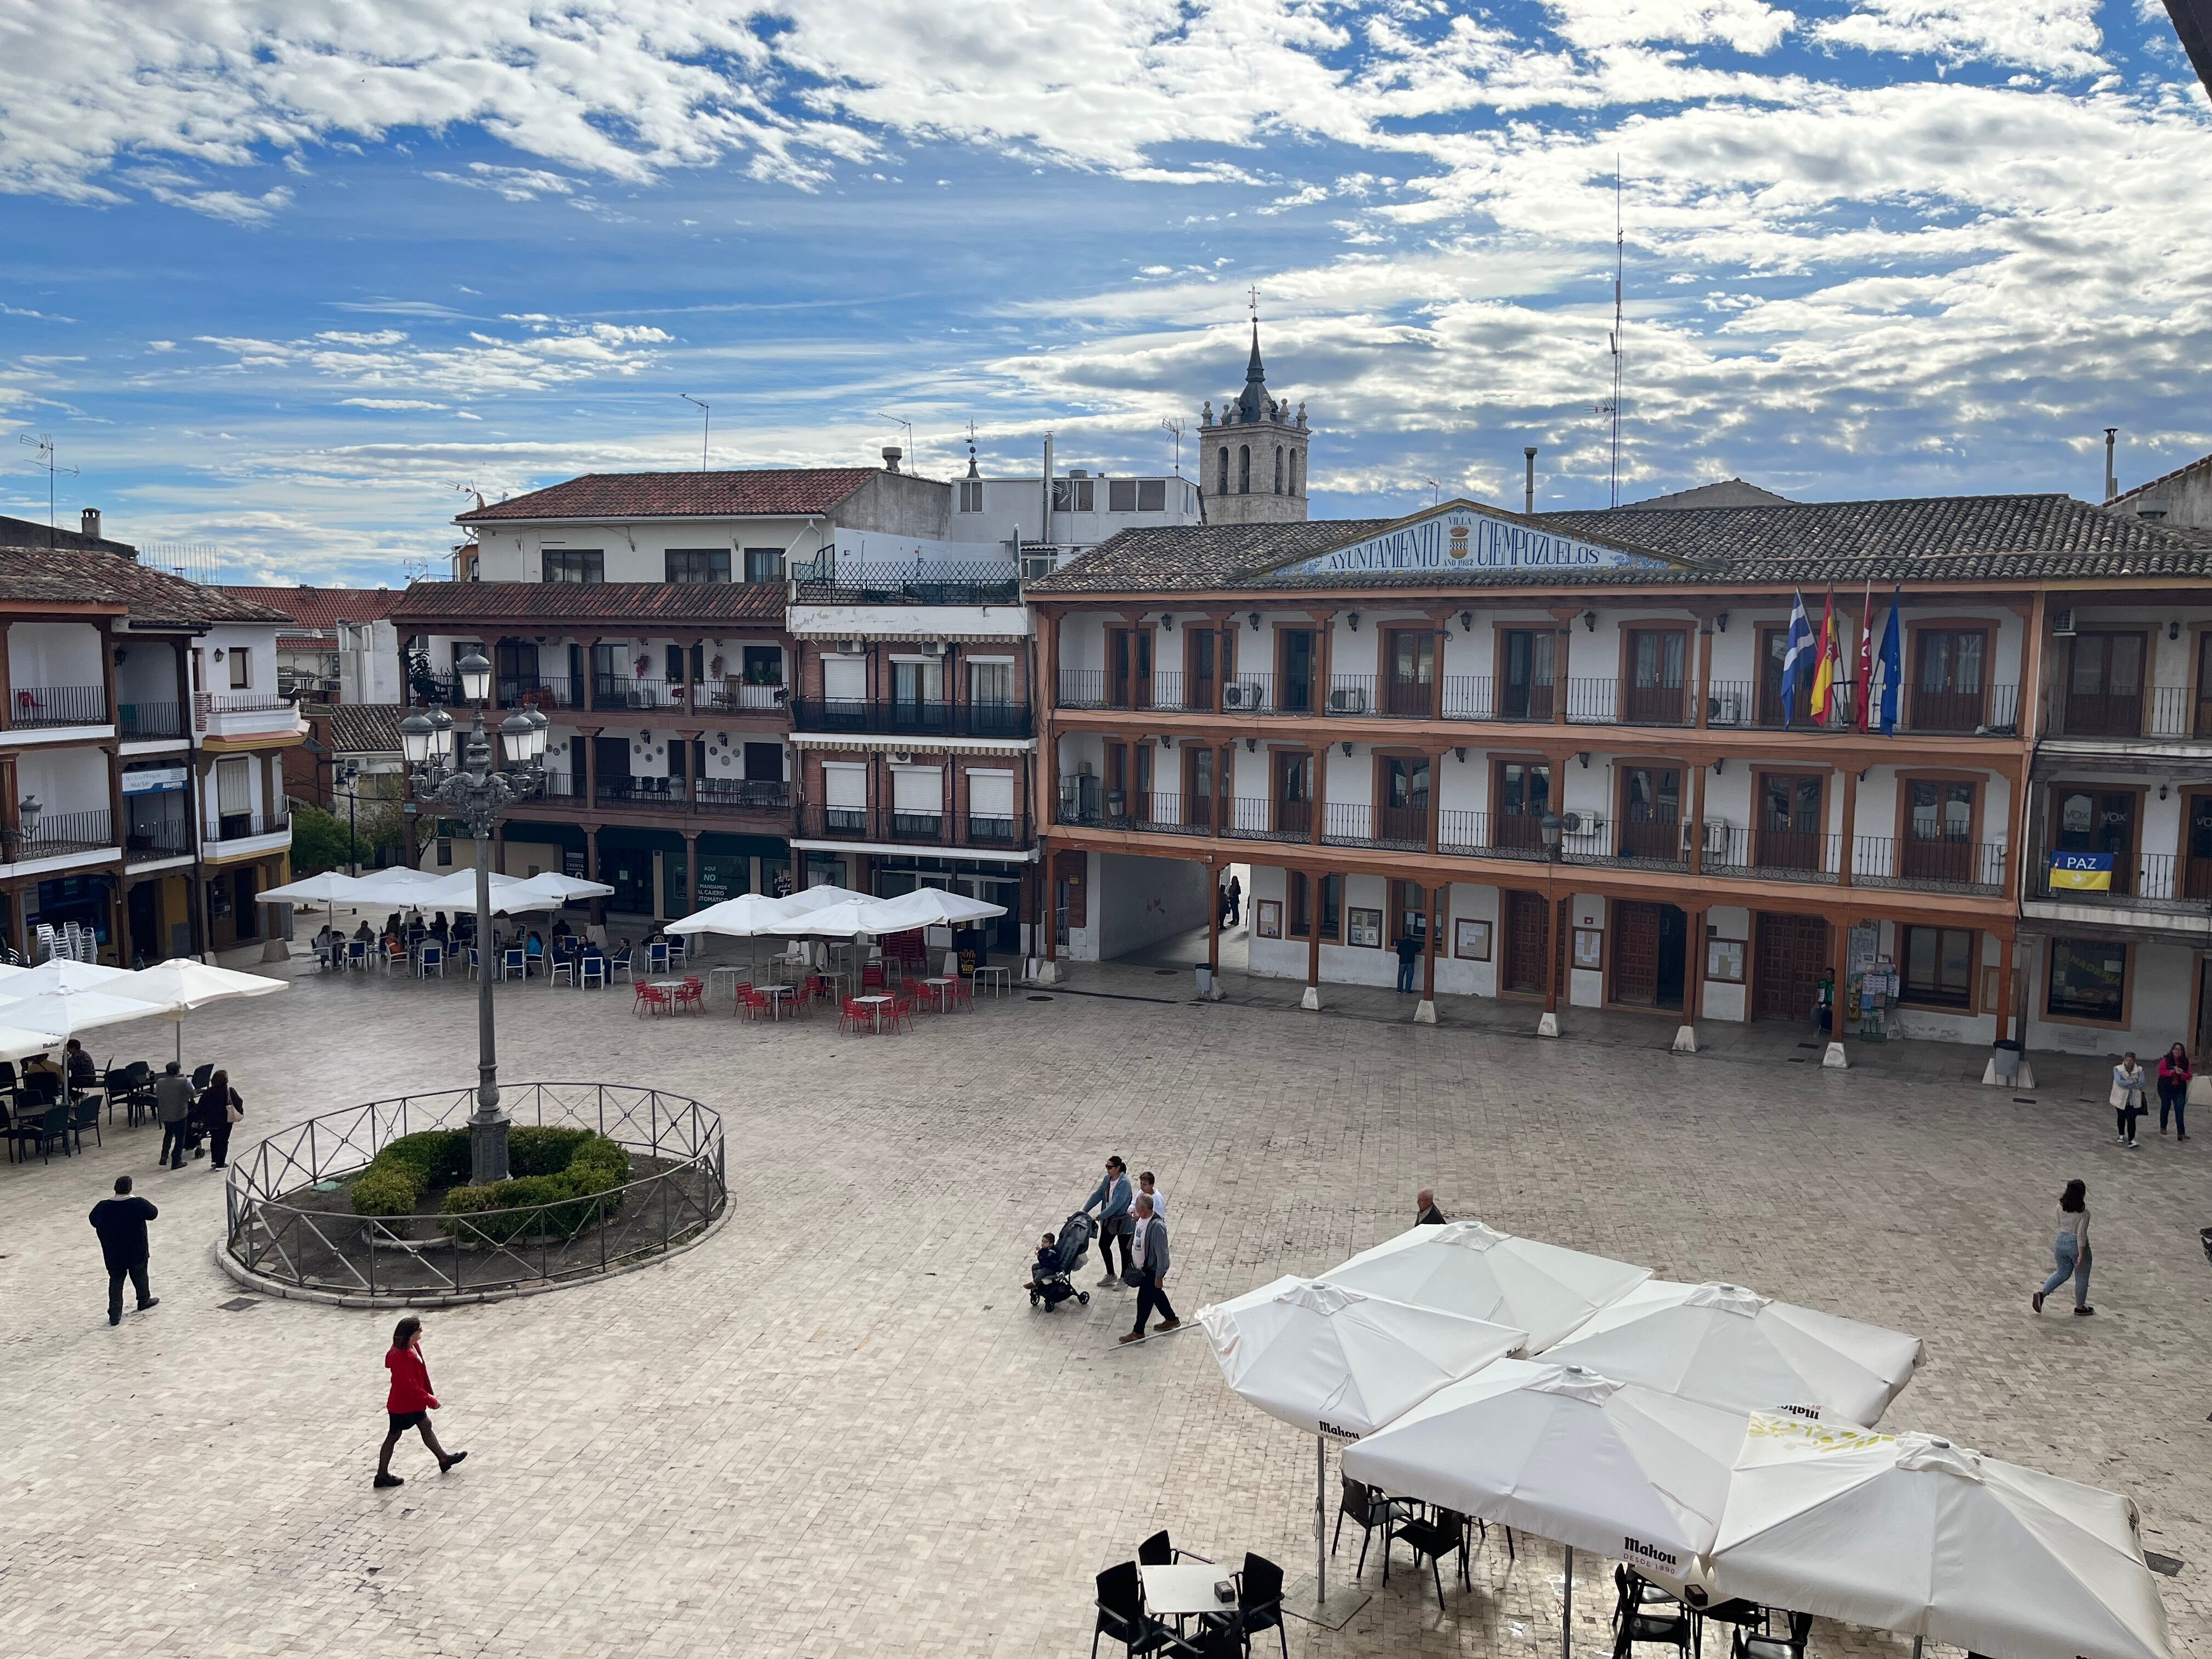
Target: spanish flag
x,y
1823,676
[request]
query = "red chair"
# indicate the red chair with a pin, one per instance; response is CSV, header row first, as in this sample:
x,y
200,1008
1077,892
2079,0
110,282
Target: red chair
x,y
738,995
692,994
925,999
872,976
650,999
958,993
852,1017
901,1012
754,1003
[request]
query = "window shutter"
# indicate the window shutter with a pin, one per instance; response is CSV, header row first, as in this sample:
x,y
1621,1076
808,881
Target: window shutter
x,y
845,680
234,785
844,785
917,789
991,794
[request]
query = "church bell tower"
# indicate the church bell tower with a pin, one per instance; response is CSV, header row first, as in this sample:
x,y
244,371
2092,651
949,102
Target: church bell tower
x,y
1253,460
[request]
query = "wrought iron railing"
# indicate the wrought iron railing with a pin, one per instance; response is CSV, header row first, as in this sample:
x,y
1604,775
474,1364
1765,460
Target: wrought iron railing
x,y
895,719
826,582
290,1219
139,721
238,826
57,705
59,834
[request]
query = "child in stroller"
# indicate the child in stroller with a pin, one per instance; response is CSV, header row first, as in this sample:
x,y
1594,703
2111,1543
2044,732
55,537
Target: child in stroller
x,y
1058,1255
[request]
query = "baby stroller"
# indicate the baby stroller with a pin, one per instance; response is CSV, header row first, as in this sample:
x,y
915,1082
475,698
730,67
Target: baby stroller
x,y
1050,1285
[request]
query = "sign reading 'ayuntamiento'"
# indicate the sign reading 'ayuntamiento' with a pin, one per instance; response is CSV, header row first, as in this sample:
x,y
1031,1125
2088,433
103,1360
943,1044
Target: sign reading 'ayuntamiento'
x,y
1459,539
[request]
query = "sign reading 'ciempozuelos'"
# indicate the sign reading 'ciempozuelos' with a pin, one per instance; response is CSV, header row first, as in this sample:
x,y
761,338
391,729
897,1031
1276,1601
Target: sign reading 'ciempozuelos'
x,y
1459,538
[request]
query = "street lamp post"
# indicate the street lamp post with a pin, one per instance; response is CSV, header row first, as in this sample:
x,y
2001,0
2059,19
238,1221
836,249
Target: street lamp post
x,y
1552,827
346,777
476,791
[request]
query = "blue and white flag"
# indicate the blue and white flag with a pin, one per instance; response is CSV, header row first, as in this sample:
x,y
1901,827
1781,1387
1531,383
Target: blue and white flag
x,y
1893,668
1797,652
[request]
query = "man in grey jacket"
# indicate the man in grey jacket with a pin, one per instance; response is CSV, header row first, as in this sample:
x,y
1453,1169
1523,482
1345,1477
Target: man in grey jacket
x,y
1148,1244
1113,1194
173,1104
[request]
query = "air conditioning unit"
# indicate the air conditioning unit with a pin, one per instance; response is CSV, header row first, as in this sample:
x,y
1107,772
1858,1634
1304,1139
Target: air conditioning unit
x,y
1083,770
1717,837
1241,697
1574,824
1725,710
2062,623
932,648
901,757
852,648
1347,700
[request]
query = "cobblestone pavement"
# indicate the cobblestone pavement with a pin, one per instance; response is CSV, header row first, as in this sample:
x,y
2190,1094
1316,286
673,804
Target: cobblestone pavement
x,y
837,1428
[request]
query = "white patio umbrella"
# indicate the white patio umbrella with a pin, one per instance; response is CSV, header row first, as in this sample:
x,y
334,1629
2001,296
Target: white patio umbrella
x,y
562,888
179,985
748,915
1339,1364
1732,1348
1912,1534
331,887
68,1012
61,974
17,1041
816,899
937,907
1467,1268
1569,1455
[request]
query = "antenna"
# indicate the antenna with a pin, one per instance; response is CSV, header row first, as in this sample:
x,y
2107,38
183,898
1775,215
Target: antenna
x,y
1174,423
1436,491
43,445
1619,266
1253,292
907,427
706,423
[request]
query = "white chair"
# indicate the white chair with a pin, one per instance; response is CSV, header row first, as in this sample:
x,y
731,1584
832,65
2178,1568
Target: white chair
x,y
513,964
594,973
431,961
476,963
620,964
563,972
656,956
679,949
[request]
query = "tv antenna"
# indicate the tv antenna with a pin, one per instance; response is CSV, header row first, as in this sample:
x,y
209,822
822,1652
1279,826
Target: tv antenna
x,y
470,490
905,426
43,445
1174,423
705,424
1436,491
1612,340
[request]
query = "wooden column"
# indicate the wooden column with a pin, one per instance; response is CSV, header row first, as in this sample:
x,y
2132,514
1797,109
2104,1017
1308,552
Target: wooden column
x,y
1704,669
590,688
8,707
1439,900
1325,668
693,759
1552,946
120,898
1562,656
1225,763
1697,849
1850,826
1212,918
1320,802
1693,969
691,873
1842,954
599,910
1313,933
107,676
591,735
1049,911
2004,986
1436,759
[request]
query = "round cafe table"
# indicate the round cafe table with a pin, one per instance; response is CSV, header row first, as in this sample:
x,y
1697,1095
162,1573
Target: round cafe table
x,y
875,1006
934,985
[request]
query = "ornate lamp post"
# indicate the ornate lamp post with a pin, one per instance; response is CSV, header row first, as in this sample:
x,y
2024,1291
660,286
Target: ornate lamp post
x,y
476,791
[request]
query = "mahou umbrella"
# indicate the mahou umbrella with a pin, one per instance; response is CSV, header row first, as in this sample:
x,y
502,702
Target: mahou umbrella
x,y
1467,1268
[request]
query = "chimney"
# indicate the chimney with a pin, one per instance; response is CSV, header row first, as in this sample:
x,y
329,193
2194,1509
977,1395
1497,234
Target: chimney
x,y
1046,535
1528,484
891,453
90,521
2111,474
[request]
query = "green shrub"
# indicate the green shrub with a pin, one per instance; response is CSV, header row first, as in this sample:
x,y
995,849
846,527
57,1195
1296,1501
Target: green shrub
x,y
394,1182
538,1150
595,1165
386,1189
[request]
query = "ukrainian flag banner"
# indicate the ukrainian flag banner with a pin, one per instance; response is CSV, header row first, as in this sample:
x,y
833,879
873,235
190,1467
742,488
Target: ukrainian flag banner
x,y
2083,872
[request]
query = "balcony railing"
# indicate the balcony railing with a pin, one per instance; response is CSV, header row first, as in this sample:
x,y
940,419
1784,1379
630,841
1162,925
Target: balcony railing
x,y
57,834
715,795
538,691
246,702
240,826
166,837
828,583
1152,809
2165,711
1993,710
2152,881
612,692
33,706
139,721
882,823
1932,864
894,719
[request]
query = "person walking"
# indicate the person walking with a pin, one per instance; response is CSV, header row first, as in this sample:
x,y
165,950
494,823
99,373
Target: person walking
x,y
219,1106
2173,1075
1150,1238
1409,958
1148,1187
2070,1250
120,1221
1113,1197
1430,1215
410,1402
1235,899
2127,1097
173,1105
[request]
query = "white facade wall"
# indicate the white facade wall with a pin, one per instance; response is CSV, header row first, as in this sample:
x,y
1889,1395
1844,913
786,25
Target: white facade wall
x,y
53,655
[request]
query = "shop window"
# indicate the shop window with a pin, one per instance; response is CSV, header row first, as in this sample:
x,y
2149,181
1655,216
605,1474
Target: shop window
x,y
1938,966
2088,980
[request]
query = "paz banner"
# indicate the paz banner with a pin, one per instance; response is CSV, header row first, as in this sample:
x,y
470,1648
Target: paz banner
x,y
2086,873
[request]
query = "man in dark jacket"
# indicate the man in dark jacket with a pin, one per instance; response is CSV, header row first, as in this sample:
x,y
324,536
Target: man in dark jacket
x,y
1430,1215
1409,958
173,1104
120,1221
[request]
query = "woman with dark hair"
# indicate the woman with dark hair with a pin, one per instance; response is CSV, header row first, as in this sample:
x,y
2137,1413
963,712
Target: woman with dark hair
x,y
218,1107
2173,1075
2071,1251
411,1402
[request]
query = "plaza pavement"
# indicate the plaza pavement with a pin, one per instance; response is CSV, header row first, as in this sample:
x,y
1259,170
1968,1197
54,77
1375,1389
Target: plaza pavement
x,y
837,1429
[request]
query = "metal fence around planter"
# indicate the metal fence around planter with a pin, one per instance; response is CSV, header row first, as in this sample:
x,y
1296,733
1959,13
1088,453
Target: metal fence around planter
x,y
290,1216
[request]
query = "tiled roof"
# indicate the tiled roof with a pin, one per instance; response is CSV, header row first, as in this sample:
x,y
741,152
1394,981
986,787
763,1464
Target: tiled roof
x,y
428,607
751,493
1722,492
1939,538
155,598
357,728
321,609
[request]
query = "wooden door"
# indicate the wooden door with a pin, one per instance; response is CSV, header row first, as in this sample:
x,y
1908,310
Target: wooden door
x,y
2197,848
1792,822
1657,663
1635,952
1527,931
1409,657
2105,686
1198,647
1790,953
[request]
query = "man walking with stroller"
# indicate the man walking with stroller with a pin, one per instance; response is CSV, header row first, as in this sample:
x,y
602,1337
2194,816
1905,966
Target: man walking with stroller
x,y
1112,1192
1149,1243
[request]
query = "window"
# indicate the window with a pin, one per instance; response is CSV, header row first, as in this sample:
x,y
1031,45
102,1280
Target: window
x,y
574,564
763,762
991,794
764,564
2088,980
764,664
1938,966
1243,469
241,663
991,683
845,680
1409,912
234,785
1121,495
1332,904
1151,494
1074,495
696,565
971,495
1221,488
1301,905
1947,686
445,852
1297,473
1279,469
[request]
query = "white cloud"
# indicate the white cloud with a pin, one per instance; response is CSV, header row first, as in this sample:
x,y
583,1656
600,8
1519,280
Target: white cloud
x,y
1749,26
386,402
514,184
2059,37
479,364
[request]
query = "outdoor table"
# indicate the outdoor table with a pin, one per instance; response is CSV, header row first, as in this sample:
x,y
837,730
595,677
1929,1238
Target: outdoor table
x,y
875,1006
736,974
836,976
1178,1592
775,995
998,977
935,985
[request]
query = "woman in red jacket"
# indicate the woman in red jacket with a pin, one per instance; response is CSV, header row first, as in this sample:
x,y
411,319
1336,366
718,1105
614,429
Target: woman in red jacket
x,y
410,1402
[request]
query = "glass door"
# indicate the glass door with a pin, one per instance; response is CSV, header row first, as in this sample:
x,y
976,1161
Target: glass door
x,y
1525,687
1651,813
1656,664
1792,821
1410,691
2104,686
1405,788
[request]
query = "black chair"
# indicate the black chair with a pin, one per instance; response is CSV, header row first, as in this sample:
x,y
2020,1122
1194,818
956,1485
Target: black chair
x,y
43,1130
201,1075
84,1114
1444,1535
1121,1614
1259,1604
1754,1644
1642,1611
1158,1551
1366,1508
1749,1614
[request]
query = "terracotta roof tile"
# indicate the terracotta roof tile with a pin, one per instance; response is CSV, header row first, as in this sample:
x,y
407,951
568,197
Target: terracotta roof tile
x,y
358,728
155,598
321,609
750,494
432,607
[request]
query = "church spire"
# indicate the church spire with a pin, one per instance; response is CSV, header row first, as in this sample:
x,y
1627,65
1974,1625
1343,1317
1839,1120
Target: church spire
x,y
1255,374
1254,404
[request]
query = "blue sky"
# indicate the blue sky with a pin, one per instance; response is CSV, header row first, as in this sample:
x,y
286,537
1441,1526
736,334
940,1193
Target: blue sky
x,y
281,278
